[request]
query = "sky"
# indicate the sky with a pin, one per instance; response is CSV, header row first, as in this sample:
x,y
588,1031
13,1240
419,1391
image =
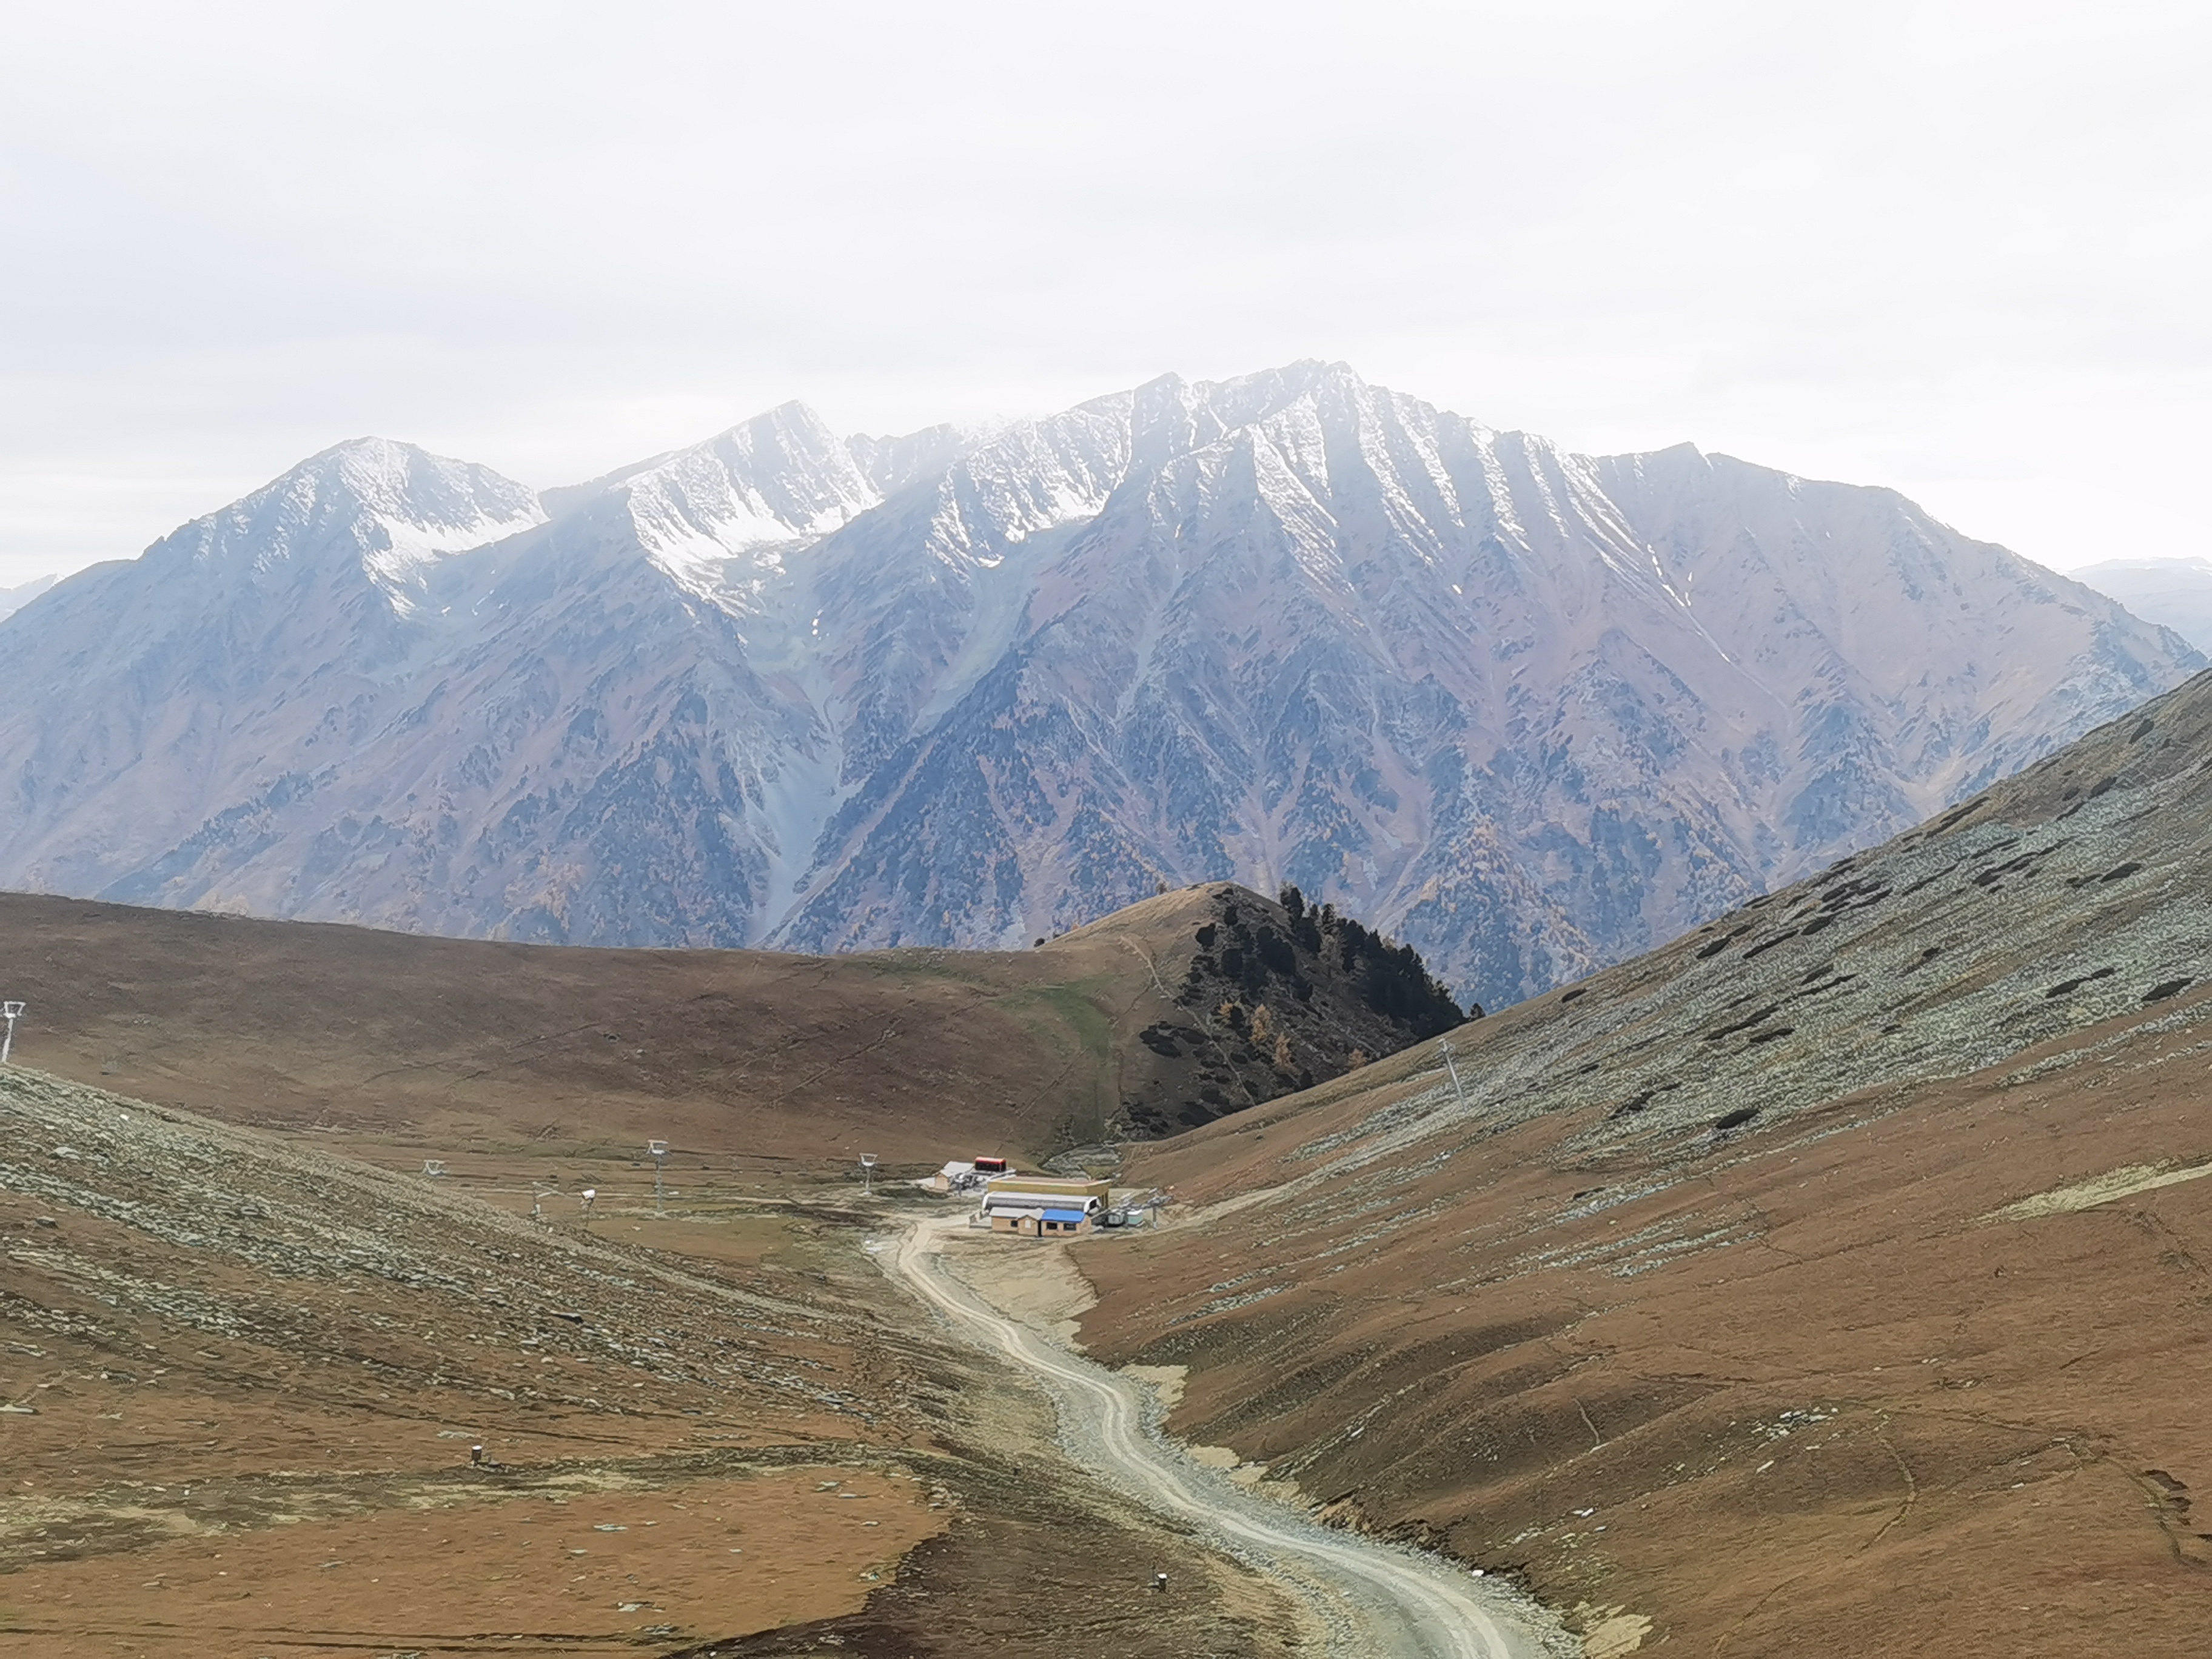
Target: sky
x,y
1961,250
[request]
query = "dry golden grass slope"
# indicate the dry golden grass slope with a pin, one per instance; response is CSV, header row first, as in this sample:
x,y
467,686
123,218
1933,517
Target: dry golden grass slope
x,y
447,1044
240,1380
240,1372
1836,1280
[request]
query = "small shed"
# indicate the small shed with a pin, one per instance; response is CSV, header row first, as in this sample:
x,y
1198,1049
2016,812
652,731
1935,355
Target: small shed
x,y
1039,1223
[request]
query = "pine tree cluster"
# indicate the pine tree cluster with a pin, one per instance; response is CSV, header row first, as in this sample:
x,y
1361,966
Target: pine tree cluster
x,y
1393,978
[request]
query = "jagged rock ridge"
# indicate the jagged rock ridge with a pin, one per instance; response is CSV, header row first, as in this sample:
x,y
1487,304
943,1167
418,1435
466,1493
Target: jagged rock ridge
x,y
1530,711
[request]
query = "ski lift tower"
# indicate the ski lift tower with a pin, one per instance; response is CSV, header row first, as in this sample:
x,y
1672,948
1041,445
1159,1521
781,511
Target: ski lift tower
x,y
10,1011
1451,1065
867,1175
657,1152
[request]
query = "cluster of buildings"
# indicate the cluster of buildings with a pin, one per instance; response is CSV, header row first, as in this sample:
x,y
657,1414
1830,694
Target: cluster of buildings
x,y
1036,1207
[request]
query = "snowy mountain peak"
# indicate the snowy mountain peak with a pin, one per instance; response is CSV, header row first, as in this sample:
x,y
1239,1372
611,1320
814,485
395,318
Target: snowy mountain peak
x,y
386,508
893,463
1333,391
429,502
1532,710
781,477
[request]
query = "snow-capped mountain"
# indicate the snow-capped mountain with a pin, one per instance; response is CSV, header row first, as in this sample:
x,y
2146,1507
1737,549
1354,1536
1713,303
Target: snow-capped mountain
x,y
1531,710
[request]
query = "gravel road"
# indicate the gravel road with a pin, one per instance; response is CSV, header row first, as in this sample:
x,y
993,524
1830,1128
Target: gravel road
x,y
1373,1599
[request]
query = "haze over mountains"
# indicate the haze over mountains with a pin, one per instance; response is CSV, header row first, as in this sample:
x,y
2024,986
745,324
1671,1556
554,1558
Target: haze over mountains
x,y
1531,711
2174,592
15,598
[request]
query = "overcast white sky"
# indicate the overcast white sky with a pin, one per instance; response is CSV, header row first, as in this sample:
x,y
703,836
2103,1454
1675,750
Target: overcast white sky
x,y
1961,249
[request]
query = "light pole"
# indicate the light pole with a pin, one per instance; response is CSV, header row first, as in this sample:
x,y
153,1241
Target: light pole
x,y
867,1175
657,1152
9,1011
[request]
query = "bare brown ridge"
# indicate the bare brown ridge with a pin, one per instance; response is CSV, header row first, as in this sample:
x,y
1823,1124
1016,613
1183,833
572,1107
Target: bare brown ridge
x,y
915,1054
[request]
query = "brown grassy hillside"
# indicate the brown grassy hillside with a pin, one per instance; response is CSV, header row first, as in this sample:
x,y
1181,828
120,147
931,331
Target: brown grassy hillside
x,y
1836,1280
916,1055
241,1379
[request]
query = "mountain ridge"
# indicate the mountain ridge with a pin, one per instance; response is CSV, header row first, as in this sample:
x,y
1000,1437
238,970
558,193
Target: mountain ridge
x,y
1168,1013
1531,711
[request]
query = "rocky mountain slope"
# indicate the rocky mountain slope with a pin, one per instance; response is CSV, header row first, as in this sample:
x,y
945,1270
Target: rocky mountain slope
x,y
1172,1013
1530,711
1830,1280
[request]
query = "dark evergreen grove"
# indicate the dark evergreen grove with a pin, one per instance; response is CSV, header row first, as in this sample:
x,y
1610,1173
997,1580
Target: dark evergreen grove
x,y
1394,980
1272,1000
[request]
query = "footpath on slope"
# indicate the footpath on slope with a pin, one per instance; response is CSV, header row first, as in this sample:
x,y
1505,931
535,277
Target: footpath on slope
x,y
1371,1598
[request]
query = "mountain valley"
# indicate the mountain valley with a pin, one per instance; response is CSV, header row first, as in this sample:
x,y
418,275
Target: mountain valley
x,y
987,832
1830,1280
1805,1252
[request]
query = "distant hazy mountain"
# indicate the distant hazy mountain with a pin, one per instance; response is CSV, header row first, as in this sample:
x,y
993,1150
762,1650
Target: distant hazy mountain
x,y
1532,711
13,599
2176,593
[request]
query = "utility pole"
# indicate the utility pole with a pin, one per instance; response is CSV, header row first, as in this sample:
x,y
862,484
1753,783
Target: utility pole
x,y
867,1175
10,1011
1452,1066
657,1150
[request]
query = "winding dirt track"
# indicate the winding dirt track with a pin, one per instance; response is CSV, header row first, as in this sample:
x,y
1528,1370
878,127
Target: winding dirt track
x,y
1375,1600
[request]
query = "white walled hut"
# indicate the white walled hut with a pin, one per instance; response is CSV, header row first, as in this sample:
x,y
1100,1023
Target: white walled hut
x,y
1020,1208
1055,1222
